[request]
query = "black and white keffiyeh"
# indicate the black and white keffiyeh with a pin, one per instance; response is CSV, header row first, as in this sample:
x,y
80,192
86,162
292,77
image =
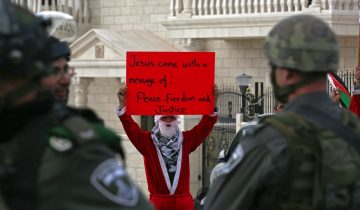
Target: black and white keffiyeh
x,y
169,148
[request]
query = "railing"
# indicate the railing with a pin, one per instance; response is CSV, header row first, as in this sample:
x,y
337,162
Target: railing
x,y
236,7
230,101
348,77
79,9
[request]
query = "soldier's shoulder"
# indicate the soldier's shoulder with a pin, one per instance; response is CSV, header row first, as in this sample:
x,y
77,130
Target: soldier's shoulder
x,y
86,113
261,128
75,130
111,180
263,134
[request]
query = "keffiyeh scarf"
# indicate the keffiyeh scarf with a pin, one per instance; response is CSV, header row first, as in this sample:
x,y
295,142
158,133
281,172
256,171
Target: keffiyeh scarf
x,y
169,148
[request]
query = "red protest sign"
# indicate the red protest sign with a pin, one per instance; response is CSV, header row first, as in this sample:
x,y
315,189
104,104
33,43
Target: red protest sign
x,y
167,83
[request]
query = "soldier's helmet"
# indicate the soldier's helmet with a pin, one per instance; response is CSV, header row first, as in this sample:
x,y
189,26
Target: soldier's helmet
x,y
24,50
304,43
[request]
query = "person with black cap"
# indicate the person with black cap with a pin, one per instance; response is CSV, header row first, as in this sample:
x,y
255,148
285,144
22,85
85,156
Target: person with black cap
x,y
46,163
60,55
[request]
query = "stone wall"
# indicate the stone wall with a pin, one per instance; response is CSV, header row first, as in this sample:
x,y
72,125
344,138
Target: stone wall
x,y
234,57
134,15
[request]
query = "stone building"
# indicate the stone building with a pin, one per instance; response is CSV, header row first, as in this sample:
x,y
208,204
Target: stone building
x,y
233,29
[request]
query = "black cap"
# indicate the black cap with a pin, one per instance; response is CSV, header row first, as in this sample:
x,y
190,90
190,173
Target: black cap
x,y
59,49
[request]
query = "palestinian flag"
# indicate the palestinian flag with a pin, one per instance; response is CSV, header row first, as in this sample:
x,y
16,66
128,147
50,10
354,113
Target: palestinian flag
x,y
336,81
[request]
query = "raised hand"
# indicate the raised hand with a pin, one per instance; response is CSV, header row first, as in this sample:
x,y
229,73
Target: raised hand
x,y
121,96
335,95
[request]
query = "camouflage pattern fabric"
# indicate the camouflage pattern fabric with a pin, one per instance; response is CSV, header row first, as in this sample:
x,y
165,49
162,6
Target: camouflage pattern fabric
x,y
303,42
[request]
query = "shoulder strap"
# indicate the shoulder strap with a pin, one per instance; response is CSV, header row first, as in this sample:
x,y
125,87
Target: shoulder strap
x,y
85,131
81,129
341,129
304,164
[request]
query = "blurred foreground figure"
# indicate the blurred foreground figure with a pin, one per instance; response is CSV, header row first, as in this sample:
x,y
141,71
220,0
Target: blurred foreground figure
x,y
47,163
306,157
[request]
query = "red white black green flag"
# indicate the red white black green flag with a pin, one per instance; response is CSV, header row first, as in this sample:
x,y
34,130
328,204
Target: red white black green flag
x,y
337,82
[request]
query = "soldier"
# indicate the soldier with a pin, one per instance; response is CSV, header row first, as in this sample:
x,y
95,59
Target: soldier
x,y
67,164
306,157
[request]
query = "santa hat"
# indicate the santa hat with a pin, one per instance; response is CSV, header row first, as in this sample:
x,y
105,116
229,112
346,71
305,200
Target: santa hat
x,y
157,117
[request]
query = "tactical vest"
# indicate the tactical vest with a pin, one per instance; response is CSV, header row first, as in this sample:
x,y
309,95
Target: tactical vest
x,y
324,171
18,183
83,131
19,161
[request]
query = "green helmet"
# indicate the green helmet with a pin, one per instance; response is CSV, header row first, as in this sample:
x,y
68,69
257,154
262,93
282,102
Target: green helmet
x,y
304,43
24,50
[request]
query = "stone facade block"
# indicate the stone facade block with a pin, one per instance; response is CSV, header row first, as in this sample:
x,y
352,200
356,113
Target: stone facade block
x,y
108,3
252,53
131,172
257,43
244,63
351,63
245,43
114,11
135,161
93,4
108,20
130,149
154,18
213,44
134,19
229,44
219,54
127,27
140,175
124,10
237,53
351,42
121,19
259,62
104,12
102,98
151,27
348,52
229,62
119,3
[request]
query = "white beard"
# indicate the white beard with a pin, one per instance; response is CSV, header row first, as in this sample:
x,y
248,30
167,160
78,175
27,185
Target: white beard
x,y
169,131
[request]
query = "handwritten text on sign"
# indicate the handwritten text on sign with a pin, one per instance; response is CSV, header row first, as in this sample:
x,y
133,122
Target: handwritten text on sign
x,y
169,83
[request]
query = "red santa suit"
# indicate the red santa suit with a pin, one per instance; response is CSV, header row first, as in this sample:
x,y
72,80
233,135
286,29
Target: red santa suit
x,y
163,194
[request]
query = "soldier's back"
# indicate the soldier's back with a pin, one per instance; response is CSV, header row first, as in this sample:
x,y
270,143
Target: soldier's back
x,y
83,168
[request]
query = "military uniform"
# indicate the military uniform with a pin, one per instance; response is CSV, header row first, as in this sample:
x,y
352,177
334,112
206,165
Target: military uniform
x,y
307,157
83,162
51,160
79,167
243,186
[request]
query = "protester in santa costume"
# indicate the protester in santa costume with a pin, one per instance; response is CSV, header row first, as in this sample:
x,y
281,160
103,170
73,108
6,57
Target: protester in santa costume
x,y
166,153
